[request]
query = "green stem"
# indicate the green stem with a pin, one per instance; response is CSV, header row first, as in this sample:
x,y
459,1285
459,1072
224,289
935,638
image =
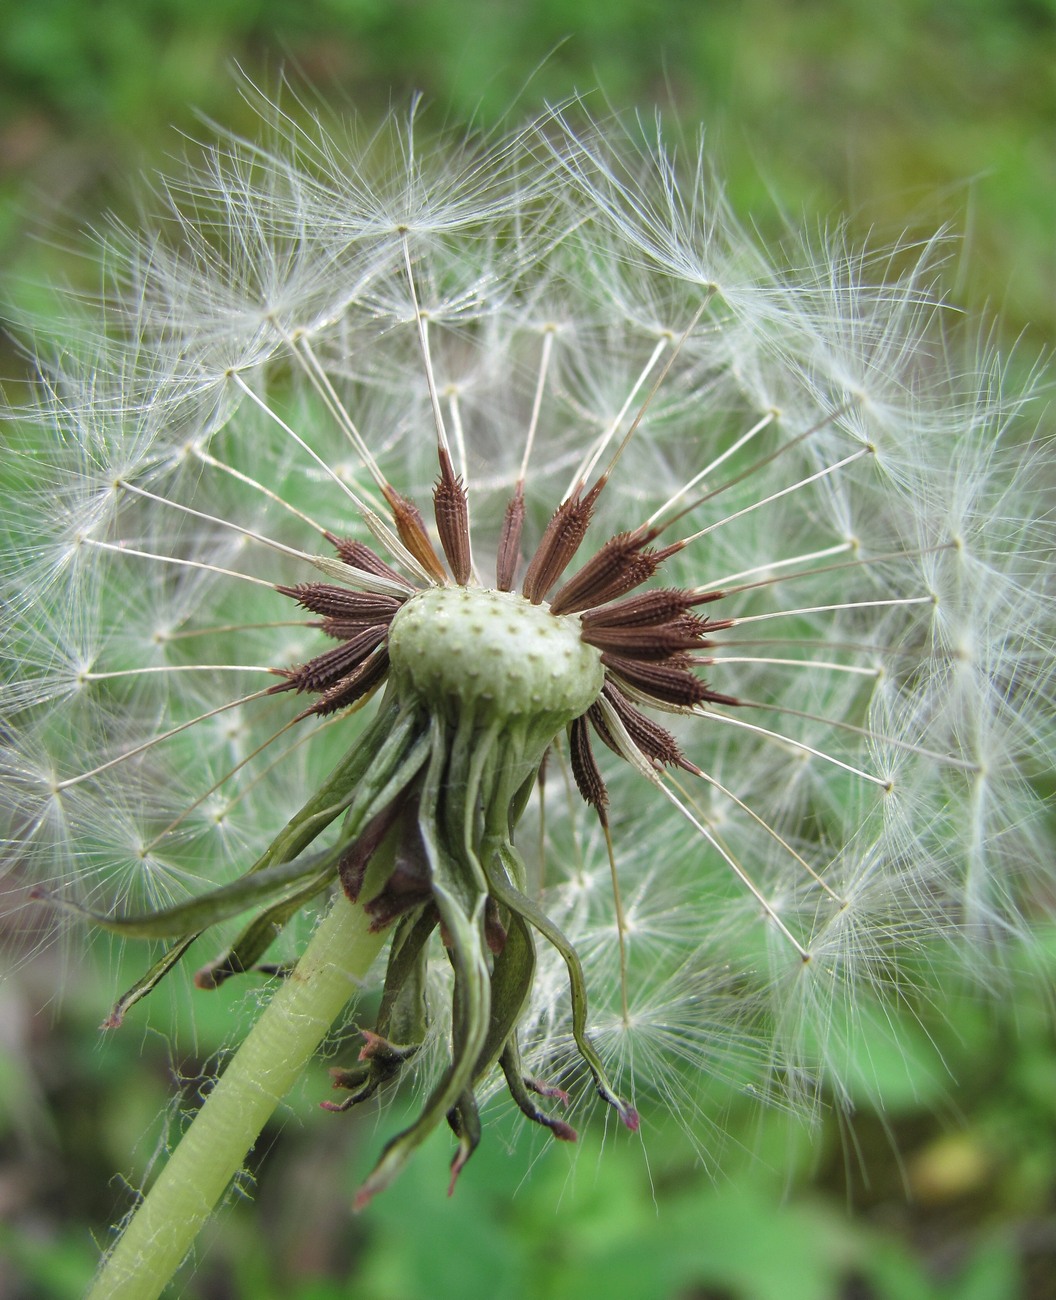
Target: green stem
x,y
259,1075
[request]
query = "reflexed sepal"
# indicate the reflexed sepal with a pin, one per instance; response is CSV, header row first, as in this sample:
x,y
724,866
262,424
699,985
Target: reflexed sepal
x,y
196,914
521,1089
510,867
402,1018
147,981
459,896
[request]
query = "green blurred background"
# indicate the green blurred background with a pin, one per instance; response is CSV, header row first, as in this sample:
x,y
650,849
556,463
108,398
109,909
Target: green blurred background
x,y
903,116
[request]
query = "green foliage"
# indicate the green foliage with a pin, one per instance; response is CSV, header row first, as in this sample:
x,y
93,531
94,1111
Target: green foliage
x,y
610,1216
877,108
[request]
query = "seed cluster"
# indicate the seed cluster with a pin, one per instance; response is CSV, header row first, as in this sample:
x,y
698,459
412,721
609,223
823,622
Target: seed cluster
x,y
643,641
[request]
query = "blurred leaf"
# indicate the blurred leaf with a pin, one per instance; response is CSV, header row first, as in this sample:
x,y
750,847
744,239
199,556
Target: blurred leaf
x,y
55,1269
992,1274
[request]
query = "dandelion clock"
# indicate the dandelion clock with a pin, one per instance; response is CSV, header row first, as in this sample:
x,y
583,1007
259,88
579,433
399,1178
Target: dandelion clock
x,y
486,571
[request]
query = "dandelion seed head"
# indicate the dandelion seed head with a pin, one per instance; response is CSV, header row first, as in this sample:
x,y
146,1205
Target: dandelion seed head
x,y
779,551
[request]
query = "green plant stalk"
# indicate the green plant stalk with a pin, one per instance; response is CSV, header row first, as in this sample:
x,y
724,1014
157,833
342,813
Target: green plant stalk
x,y
262,1071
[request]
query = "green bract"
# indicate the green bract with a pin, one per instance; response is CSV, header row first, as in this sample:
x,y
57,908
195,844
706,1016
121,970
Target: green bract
x,y
481,684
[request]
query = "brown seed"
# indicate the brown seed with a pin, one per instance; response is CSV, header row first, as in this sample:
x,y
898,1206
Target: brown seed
x,y
642,610
509,555
332,666
560,541
353,687
665,682
620,565
360,556
585,769
340,603
654,741
642,642
451,511
410,525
